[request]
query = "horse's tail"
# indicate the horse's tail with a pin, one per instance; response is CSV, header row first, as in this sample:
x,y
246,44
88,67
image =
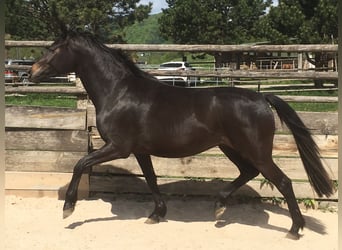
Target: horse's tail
x,y
307,147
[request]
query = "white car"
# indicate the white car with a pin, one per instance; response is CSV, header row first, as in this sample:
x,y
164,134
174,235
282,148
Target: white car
x,y
176,80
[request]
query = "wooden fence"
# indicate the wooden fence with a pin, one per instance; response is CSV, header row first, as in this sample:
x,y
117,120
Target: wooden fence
x,y
43,145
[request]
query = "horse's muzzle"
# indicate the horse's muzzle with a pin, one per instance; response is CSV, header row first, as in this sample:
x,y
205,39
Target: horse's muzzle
x,y
38,72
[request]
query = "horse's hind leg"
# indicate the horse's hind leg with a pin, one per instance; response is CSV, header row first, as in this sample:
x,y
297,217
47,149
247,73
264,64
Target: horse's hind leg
x,y
247,172
273,173
151,179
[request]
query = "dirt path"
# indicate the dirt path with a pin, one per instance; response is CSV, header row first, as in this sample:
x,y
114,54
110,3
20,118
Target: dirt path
x,y
36,223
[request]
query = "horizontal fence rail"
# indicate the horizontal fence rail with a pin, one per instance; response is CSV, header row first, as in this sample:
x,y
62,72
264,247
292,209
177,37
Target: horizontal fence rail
x,y
223,73
278,74
81,92
229,73
196,48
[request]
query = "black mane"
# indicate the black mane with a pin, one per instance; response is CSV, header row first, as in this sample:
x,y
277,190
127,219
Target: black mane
x,y
116,55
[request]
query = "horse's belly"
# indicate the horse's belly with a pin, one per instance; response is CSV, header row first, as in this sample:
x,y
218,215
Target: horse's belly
x,y
179,153
180,147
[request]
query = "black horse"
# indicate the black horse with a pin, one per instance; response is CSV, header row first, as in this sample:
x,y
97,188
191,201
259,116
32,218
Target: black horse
x,y
137,114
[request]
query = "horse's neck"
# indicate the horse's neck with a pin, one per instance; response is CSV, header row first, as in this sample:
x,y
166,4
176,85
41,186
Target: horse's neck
x,y
98,83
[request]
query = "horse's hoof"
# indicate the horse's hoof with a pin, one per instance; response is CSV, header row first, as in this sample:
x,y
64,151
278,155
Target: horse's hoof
x,y
219,210
293,236
152,220
68,210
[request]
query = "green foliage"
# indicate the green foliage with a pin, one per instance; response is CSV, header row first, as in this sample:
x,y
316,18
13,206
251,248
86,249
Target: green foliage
x,y
145,32
308,203
22,23
24,53
295,21
335,184
211,22
277,200
37,19
274,200
267,183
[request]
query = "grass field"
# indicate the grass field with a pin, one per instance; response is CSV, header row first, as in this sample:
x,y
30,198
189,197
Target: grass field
x,y
314,107
57,100
50,100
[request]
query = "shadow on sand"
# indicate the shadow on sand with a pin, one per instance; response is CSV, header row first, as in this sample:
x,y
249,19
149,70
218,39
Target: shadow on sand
x,y
190,208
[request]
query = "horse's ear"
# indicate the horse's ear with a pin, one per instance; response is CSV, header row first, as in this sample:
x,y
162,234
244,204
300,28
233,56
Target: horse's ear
x,y
64,28
61,25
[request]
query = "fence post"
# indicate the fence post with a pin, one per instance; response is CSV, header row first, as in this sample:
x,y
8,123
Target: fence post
x,y
82,100
300,61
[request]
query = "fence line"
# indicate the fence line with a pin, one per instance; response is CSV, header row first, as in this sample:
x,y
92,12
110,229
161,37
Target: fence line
x,y
229,73
197,47
81,93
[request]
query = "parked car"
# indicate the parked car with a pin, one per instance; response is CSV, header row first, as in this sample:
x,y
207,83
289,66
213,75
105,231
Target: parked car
x,y
17,75
184,81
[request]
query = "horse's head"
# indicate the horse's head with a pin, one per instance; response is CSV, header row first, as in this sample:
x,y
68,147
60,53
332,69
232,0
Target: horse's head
x,y
59,59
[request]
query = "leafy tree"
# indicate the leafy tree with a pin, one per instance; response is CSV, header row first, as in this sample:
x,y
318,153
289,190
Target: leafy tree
x,y
304,22
212,21
20,22
39,19
301,21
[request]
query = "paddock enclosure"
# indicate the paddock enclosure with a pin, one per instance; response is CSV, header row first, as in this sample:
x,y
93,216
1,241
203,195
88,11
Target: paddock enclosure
x,y
44,143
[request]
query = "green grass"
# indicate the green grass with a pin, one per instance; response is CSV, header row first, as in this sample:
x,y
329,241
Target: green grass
x,y
55,100
49,100
310,93
315,107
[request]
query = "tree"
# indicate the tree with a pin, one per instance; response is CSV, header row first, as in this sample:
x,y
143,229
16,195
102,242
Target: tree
x,y
305,22
212,22
20,22
104,18
301,21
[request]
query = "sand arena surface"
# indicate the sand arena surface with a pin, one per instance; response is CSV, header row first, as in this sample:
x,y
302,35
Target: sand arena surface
x,y
118,223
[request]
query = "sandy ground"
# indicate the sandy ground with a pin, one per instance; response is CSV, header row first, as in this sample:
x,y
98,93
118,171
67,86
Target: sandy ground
x,y
118,223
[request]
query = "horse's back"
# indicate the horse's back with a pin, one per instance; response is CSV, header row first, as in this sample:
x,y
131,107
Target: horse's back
x,y
188,121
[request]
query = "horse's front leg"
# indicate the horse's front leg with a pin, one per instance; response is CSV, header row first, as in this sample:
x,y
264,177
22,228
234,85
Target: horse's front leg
x,y
106,153
151,179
